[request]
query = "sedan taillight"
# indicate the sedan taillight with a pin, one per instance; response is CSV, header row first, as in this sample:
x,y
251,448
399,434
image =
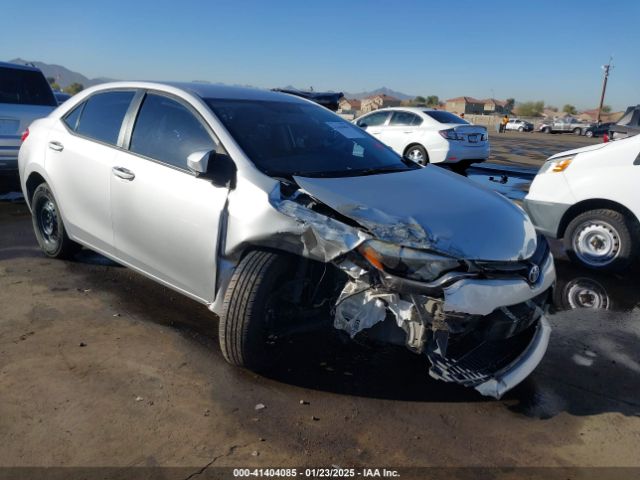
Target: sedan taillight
x,y
450,134
24,136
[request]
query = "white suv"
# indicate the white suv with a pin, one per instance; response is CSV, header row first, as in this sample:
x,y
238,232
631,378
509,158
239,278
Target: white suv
x,y
589,197
428,136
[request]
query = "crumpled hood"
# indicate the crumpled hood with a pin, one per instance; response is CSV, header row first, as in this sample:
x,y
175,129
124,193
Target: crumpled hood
x,y
431,208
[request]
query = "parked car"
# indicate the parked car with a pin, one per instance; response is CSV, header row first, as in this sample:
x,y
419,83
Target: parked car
x,y
425,135
24,96
598,129
279,215
589,197
565,125
628,125
61,97
519,125
328,100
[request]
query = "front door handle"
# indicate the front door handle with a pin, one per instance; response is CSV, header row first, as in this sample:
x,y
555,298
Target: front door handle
x,y
123,173
57,146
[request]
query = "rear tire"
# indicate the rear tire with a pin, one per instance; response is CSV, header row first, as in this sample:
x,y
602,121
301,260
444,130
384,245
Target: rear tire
x,y
546,130
417,154
577,131
602,239
48,225
521,129
246,322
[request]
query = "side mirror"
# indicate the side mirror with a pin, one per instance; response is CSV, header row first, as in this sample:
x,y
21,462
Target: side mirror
x,y
217,167
363,125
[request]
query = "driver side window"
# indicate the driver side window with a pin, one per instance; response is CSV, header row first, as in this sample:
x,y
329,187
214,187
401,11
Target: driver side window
x,y
167,131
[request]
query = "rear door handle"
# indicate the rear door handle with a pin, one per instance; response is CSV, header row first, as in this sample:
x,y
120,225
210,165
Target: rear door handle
x,y
57,146
123,173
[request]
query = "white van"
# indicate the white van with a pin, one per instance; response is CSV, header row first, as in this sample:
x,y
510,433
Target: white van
x,y
590,197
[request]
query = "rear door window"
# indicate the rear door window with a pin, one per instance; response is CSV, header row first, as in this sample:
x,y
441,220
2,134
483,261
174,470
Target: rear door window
x,y
25,87
404,119
168,131
102,116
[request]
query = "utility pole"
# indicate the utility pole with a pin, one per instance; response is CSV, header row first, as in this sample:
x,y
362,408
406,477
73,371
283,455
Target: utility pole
x,y
606,69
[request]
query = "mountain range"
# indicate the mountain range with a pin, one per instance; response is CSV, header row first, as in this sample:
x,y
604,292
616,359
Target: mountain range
x,y
65,77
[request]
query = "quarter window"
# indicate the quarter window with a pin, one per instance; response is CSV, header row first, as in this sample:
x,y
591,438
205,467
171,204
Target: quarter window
x,y
102,116
404,119
167,131
71,118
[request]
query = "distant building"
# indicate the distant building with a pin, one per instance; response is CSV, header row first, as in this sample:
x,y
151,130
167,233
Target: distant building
x,y
460,105
374,102
592,116
349,105
491,106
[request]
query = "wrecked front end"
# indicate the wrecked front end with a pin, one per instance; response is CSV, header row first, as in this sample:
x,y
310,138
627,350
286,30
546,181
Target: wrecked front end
x,y
479,323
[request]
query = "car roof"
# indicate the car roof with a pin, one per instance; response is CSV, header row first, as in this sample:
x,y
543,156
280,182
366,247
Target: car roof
x,y
209,90
19,67
408,109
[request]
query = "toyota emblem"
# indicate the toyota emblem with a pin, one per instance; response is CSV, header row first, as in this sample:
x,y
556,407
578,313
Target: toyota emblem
x,y
534,274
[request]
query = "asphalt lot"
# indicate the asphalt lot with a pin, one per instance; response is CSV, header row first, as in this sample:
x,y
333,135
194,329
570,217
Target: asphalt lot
x,y
100,366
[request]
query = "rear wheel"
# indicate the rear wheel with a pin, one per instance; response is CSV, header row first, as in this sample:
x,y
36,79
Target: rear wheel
x,y
577,131
251,309
546,130
521,129
417,153
48,225
602,240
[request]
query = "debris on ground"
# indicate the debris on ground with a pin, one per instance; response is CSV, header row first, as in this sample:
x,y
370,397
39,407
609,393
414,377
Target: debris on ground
x,y
82,344
304,402
255,453
139,399
260,406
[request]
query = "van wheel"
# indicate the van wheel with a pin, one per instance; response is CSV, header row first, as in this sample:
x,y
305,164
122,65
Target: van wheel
x,y
251,310
602,240
48,225
417,153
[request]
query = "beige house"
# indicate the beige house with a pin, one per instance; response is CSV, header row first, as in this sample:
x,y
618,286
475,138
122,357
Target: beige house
x,y
374,102
460,105
349,105
592,116
491,105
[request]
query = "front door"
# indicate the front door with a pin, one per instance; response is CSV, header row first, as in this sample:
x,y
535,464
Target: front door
x,y
165,219
401,130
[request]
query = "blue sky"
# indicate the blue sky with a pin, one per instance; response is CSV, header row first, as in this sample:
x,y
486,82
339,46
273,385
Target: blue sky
x,y
542,50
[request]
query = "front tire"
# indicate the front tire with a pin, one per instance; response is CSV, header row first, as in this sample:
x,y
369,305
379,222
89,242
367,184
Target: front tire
x,y
249,305
589,134
546,130
417,154
602,240
48,225
521,129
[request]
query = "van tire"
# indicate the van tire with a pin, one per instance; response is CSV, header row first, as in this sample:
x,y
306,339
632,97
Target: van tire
x,y
244,328
48,226
614,227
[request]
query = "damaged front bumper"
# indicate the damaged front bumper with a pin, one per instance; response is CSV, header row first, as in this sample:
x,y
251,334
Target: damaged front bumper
x,y
521,367
485,333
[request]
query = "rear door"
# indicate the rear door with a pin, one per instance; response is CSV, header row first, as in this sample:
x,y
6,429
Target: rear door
x,y
80,154
166,221
402,129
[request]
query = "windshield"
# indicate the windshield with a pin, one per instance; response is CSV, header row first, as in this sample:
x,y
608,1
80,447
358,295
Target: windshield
x,y
445,117
291,138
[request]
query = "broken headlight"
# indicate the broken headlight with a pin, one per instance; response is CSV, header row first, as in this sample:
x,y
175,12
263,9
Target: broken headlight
x,y
406,262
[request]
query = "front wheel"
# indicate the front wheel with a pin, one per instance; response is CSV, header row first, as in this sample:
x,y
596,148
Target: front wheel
x,y
602,240
546,130
48,225
417,154
589,134
521,129
251,308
